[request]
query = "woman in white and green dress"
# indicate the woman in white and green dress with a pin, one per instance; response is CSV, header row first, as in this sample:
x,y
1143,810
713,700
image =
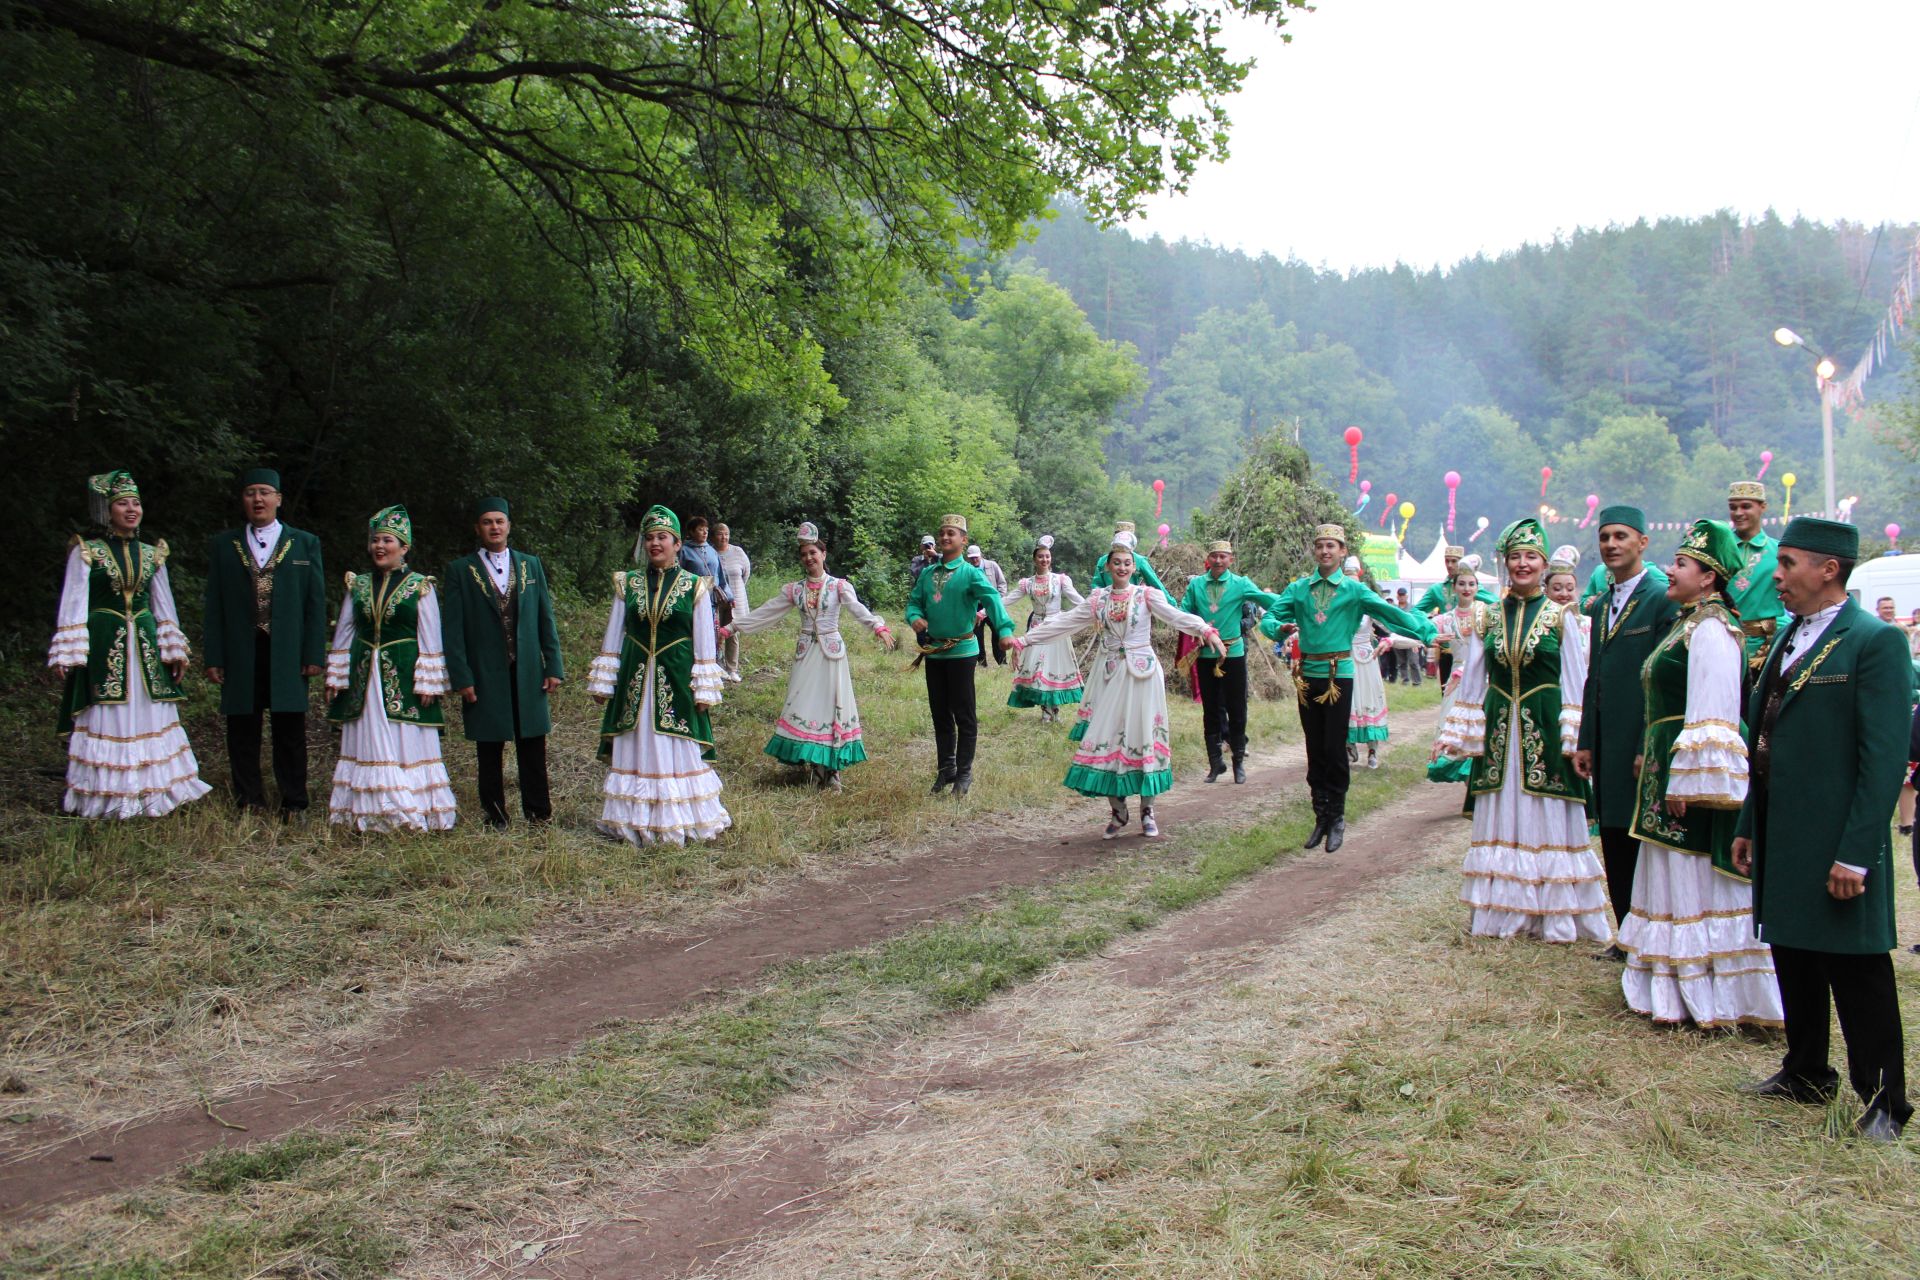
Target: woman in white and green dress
x,y
117,640
1453,627
387,670
1531,869
819,726
1691,951
1048,676
1126,749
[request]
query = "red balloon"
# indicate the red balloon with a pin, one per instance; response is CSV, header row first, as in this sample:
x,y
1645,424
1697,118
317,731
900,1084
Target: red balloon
x,y
1159,485
1387,510
1353,435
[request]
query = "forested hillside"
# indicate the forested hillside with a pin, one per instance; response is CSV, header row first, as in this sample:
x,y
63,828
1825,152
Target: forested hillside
x,y
1635,361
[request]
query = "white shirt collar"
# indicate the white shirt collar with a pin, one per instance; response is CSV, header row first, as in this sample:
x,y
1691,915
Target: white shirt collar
x,y
261,542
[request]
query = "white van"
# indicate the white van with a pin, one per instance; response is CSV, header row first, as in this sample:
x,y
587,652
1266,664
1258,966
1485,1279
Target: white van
x,y
1887,575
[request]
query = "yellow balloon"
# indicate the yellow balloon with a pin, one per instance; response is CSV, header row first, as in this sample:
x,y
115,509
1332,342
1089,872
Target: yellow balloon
x,y
1789,479
1406,511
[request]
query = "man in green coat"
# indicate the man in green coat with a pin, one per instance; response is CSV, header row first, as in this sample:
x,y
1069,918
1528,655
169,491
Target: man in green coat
x,y
1630,618
1752,590
503,659
265,635
1220,596
941,609
1826,742
1325,608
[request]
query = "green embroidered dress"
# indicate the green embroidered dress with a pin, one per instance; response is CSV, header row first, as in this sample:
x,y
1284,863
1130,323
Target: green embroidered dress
x,y
1692,953
1530,868
127,755
658,674
387,655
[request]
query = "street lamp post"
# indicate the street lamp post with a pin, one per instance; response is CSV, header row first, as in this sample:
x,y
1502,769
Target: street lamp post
x,y
1824,371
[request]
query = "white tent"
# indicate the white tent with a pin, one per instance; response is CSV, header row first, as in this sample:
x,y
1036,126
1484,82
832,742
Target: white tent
x,y
1416,574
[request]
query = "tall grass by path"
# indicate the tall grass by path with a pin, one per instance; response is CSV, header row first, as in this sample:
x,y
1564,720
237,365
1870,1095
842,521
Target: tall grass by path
x,y
463,1158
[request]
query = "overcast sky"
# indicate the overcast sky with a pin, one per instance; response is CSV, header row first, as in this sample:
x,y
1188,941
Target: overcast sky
x,y
1415,131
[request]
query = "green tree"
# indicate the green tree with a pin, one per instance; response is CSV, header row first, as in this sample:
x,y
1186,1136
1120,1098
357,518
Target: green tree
x,y
1269,507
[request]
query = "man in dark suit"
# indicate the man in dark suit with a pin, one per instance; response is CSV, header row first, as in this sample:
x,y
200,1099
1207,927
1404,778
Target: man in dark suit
x,y
1630,617
503,659
1826,739
264,636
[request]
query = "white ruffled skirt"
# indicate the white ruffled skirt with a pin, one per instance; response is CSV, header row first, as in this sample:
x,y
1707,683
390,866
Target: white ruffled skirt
x,y
1692,953
1531,869
390,776
1048,675
658,789
130,759
1367,721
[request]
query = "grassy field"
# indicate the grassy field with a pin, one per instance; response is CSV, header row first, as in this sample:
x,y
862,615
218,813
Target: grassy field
x,y
461,1162
1383,1097
147,963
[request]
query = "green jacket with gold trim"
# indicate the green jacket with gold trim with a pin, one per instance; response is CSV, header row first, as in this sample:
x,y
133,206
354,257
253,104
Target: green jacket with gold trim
x,y
1613,704
391,618
124,641
290,592
658,617
1826,767
503,647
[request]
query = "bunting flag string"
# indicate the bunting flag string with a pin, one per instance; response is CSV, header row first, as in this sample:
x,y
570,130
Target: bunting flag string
x,y
1849,392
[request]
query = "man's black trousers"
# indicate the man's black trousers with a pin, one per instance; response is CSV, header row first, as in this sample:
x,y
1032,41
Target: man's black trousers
x,y
1223,704
289,742
530,760
1324,725
950,698
1861,989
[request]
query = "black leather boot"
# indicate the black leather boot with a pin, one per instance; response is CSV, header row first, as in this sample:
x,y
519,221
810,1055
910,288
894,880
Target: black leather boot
x,y
1215,765
1240,768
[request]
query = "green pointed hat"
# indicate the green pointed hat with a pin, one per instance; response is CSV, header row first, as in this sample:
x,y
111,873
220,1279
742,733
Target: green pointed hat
x,y
1524,532
1713,544
393,520
104,488
659,517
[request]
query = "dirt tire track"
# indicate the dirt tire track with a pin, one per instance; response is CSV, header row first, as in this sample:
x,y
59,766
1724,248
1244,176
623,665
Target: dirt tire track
x,y
754,1188
551,1005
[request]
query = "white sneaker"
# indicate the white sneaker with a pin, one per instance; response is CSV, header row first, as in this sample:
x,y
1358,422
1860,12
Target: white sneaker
x,y
1373,761
1148,827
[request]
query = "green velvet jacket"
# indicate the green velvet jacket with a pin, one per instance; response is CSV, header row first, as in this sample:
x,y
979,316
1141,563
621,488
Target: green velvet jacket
x,y
1522,636
1613,705
1827,765
295,586
657,645
475,616
1707,826
386,629
123,640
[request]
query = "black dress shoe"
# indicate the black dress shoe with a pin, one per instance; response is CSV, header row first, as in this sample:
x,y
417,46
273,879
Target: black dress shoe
x,y
1612,955
1239,769
1336,835
1319,834
962,783
1878,1125
1215,769
1794,1089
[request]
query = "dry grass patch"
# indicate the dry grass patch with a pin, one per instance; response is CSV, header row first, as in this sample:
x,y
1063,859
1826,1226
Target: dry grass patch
x,y
465,1164
1385,1098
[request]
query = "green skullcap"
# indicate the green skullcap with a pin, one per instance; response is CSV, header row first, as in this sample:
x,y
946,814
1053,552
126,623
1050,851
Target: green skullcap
x,y
1524,532
261,475
659,517
1714,545
489,504
393,520
1822,537
1632,517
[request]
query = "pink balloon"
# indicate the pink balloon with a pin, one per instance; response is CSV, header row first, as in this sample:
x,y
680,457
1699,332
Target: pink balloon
x,y
1893,533
1766,455
1164,530
1453,479
1366,486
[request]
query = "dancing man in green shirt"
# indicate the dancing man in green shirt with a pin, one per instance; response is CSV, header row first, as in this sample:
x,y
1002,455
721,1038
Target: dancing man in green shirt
x,y
941,609
1218,596
1752,590
1325,607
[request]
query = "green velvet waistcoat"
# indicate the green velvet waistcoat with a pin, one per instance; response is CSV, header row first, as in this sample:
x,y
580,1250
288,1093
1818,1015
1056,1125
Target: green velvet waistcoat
x,y
386,621
658,647
1706,829
120,574
1522,638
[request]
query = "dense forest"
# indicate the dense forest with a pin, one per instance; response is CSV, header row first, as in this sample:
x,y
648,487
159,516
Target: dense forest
x,y
802,260
1635,361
